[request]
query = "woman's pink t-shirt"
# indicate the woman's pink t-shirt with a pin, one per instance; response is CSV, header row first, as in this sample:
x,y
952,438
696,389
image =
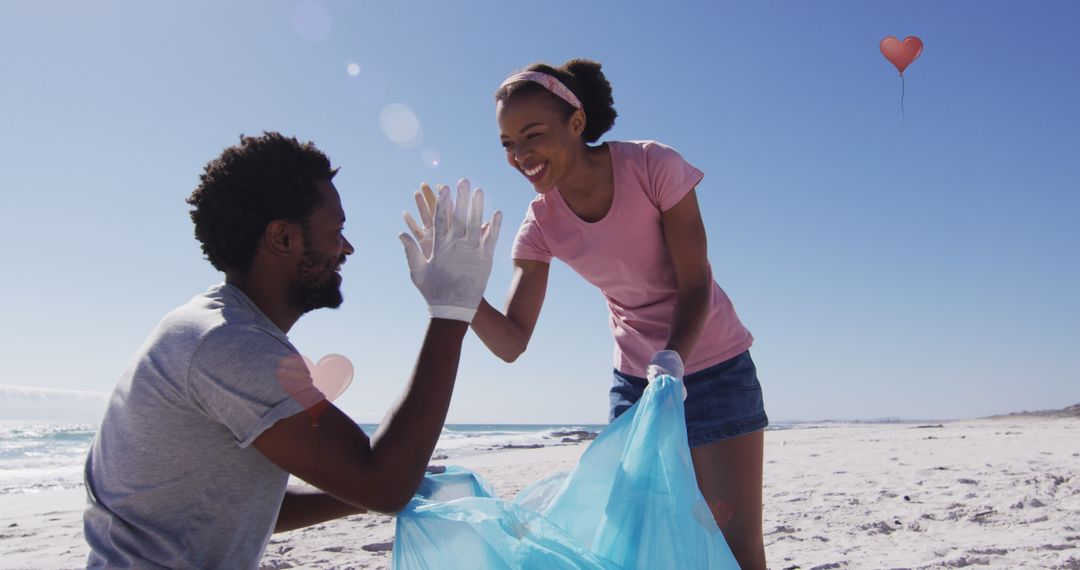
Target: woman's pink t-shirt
x,y
625,255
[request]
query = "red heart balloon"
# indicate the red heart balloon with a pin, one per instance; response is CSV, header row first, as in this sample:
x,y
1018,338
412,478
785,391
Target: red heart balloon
x,y
901,54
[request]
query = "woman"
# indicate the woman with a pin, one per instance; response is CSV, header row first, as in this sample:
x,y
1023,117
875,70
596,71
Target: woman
x,y
624,215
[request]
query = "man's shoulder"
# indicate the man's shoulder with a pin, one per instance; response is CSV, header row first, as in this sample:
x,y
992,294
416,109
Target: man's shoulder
x,y
219,317
195,319
232,337
221,307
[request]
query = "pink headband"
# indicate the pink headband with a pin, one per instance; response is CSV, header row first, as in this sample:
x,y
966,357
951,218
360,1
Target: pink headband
x,y
549,82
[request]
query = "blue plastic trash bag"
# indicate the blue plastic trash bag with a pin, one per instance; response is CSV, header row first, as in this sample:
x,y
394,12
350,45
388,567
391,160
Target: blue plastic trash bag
x,y
632,502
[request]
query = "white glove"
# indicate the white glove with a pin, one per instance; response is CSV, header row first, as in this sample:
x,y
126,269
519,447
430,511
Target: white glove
x,y
453,276
425,204
666,362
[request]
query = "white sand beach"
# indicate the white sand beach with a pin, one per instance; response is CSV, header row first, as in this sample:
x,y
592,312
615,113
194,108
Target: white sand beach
x,y
992,493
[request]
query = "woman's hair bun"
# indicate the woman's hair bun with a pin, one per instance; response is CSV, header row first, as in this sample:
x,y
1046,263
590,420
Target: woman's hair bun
x,y
594,91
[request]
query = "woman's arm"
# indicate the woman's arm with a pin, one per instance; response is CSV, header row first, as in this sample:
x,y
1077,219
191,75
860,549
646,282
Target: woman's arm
x,y
684,233
508,335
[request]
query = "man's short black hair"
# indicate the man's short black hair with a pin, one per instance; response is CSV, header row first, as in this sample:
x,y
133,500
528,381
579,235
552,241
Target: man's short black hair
x,y
263,179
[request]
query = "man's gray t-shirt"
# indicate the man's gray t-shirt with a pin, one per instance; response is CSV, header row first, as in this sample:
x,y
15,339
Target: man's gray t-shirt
x,y
172,479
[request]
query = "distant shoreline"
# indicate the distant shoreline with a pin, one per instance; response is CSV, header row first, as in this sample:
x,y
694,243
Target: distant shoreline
x,y
1072,411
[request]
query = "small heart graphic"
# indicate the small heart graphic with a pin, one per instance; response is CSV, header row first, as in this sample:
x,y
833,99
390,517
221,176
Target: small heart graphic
x,y
332,375
295,377
314,386
901,54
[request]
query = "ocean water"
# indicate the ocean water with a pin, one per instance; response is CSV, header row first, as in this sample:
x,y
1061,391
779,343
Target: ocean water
x,y
40,456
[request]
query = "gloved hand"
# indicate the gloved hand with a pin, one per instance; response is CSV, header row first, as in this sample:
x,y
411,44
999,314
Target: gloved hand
x,y
425,204
452,277
666,362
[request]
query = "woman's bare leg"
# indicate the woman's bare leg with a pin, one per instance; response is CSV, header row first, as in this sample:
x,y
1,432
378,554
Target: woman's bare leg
x,y
729,474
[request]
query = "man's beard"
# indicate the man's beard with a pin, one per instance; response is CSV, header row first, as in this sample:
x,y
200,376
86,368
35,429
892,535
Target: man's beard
x,y
315,285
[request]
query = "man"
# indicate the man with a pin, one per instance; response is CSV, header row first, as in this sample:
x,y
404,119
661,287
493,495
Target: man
x,y
190,466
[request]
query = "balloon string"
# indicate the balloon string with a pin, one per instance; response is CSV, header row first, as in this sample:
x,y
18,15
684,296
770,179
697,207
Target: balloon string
x,y
902,89
318,448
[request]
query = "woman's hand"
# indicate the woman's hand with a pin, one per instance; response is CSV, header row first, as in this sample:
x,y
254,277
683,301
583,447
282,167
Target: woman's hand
x,y
425,205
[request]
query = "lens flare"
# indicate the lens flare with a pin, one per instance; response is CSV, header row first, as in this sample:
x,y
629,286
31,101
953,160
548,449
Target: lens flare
x,y
400,125
430,158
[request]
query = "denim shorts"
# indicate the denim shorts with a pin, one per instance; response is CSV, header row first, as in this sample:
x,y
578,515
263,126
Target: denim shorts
x,y
722,401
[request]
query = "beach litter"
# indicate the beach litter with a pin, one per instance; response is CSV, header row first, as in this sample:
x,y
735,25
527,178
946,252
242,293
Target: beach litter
x,y
631,502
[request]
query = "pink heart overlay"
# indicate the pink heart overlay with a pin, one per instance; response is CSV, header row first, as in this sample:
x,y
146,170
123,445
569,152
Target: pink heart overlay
x,y
901,54
315,385
332,375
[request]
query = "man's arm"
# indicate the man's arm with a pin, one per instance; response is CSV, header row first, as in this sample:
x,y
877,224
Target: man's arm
x,y
382,474
303,506
335,455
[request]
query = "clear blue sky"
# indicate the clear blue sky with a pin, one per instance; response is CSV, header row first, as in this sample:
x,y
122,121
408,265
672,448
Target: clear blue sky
x,y
924,267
